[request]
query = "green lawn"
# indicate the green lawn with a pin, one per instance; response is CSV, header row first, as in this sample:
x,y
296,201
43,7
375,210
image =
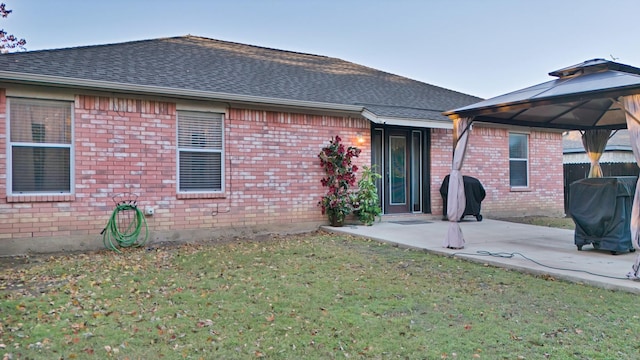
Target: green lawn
x,y
314,296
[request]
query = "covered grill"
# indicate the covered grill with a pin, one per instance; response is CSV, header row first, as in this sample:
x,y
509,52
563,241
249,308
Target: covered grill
x,y
474,193
601,210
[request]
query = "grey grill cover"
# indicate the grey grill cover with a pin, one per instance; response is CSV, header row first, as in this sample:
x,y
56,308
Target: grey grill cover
x,y
601,210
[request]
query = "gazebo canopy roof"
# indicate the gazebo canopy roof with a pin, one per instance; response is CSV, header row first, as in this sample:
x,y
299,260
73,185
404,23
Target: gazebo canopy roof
x,y
584,96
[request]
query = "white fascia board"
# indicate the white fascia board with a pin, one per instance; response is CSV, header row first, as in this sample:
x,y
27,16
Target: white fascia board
x,y
612,148
419,123
59,81
607,157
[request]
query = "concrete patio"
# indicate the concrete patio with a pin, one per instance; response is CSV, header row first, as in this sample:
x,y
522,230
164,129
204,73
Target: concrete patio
x,y
528,248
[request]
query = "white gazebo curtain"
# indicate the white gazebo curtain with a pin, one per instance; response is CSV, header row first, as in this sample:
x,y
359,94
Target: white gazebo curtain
x,y
594,142
456,200
632,111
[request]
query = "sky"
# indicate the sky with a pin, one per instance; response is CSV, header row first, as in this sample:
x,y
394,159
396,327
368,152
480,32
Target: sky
x,y
479,47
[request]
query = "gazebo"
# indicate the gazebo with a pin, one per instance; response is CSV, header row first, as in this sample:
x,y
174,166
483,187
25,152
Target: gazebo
x,y
595,97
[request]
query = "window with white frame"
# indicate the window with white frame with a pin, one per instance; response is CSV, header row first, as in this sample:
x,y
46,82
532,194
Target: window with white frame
x,y
40,146
200,151
518,160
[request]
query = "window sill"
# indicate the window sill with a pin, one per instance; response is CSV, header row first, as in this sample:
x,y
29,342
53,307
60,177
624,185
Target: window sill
x,y
40,198
201,196
521,189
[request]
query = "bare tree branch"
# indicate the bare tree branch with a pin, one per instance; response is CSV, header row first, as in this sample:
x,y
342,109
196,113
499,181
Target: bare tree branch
x,y
9,42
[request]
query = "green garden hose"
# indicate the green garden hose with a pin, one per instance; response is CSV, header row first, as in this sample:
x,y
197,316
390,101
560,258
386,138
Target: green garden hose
x,y
124,228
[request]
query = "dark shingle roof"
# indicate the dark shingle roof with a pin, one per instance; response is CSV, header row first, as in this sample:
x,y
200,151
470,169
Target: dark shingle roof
x,y
214,66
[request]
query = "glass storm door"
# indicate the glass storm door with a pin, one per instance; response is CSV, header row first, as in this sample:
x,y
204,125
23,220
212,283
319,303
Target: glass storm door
x,y
398,196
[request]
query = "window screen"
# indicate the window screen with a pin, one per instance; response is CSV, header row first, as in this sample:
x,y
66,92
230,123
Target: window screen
x,y
40,142
518,160
200,151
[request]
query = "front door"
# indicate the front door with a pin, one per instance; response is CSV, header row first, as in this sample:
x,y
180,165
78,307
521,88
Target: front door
x,y
398,156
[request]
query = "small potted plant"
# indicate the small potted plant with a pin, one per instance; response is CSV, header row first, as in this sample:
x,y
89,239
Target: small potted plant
x,y
366,206
340,175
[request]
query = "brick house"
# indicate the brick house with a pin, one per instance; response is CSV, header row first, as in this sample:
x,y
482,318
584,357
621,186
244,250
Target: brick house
x,y
220,138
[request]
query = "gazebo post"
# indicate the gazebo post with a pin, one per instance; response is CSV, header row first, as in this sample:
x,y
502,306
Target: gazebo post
x,y
456,200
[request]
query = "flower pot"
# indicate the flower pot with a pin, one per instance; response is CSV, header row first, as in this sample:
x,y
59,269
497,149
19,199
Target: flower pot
x,y
335,220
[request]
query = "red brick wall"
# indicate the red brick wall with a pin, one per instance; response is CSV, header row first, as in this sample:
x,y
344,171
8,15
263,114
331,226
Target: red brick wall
x,y
487,159
441,145
272,175
272,172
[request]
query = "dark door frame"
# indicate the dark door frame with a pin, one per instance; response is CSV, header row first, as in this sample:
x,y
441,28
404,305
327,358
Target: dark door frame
x,y
380,135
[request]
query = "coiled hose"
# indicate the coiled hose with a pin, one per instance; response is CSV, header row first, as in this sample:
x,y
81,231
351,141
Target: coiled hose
x,y
124,228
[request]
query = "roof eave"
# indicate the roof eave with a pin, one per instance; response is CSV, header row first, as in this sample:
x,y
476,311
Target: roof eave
x,y
529,103
59,81
398,121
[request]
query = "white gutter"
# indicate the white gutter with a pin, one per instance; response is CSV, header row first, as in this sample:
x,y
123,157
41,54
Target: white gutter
x,y
607,148
61,81
150,89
